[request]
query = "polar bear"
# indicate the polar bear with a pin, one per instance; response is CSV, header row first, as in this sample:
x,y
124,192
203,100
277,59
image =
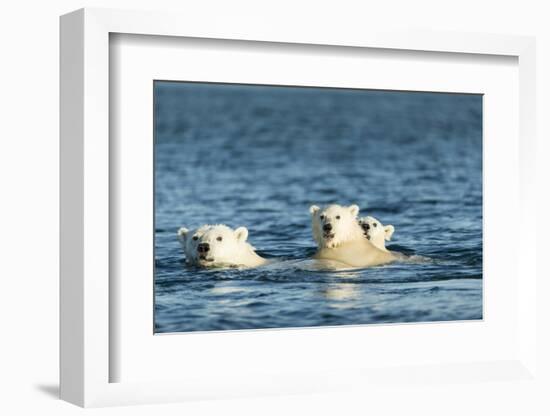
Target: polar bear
x,y
218,246
376,232
340,238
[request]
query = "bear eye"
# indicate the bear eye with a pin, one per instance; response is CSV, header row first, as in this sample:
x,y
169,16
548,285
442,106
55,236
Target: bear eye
x,y
322,217
219,239
375,224
195,237
338,217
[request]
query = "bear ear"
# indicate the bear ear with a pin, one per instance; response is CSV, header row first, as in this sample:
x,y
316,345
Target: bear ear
x,y
182,232
388,231
354,209
241,233
313,209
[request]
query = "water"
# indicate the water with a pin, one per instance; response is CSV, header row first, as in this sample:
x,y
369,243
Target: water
x,y
259,156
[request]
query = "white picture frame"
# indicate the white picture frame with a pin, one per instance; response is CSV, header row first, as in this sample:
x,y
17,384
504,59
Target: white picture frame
x,y
86,305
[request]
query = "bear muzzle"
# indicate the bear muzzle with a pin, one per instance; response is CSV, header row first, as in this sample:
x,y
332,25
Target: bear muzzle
x,y
203,248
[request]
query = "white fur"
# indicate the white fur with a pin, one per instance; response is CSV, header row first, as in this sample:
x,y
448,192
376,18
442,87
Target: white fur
x,y
345,242
343,221
231,251
377,233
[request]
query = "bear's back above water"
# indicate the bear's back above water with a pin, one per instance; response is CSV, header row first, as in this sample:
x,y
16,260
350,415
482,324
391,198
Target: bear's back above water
x,y
356,253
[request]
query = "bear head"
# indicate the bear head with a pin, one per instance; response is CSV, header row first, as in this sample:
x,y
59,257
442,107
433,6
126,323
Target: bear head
x,y
214,245
376,232
335,224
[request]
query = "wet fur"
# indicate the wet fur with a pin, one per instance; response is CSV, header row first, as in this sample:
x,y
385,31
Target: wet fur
x,y
348,245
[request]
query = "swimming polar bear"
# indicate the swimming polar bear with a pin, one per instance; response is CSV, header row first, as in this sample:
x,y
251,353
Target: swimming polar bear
x,y
340,238
375,232
218,246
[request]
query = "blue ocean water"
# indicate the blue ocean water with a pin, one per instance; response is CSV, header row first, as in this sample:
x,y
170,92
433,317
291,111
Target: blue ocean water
x,y
259,156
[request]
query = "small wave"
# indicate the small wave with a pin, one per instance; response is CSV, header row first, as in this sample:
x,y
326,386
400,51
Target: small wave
x,y
226,290
414,259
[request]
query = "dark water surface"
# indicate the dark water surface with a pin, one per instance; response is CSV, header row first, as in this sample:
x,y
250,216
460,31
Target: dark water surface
x,y
259,156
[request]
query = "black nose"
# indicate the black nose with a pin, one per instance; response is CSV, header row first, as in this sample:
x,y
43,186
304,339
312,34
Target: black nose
x,y
366,226
327,227
203,247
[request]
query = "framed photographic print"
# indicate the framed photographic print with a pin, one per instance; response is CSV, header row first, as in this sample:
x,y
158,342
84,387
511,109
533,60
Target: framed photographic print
x,y
258,157
237,207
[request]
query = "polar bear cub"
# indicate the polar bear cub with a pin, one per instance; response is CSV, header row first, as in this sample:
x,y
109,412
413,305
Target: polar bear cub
x,y
376,232
218,246
340,238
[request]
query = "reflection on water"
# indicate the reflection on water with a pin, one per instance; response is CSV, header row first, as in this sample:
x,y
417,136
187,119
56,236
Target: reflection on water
x,y
344,295
260,156
225,289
